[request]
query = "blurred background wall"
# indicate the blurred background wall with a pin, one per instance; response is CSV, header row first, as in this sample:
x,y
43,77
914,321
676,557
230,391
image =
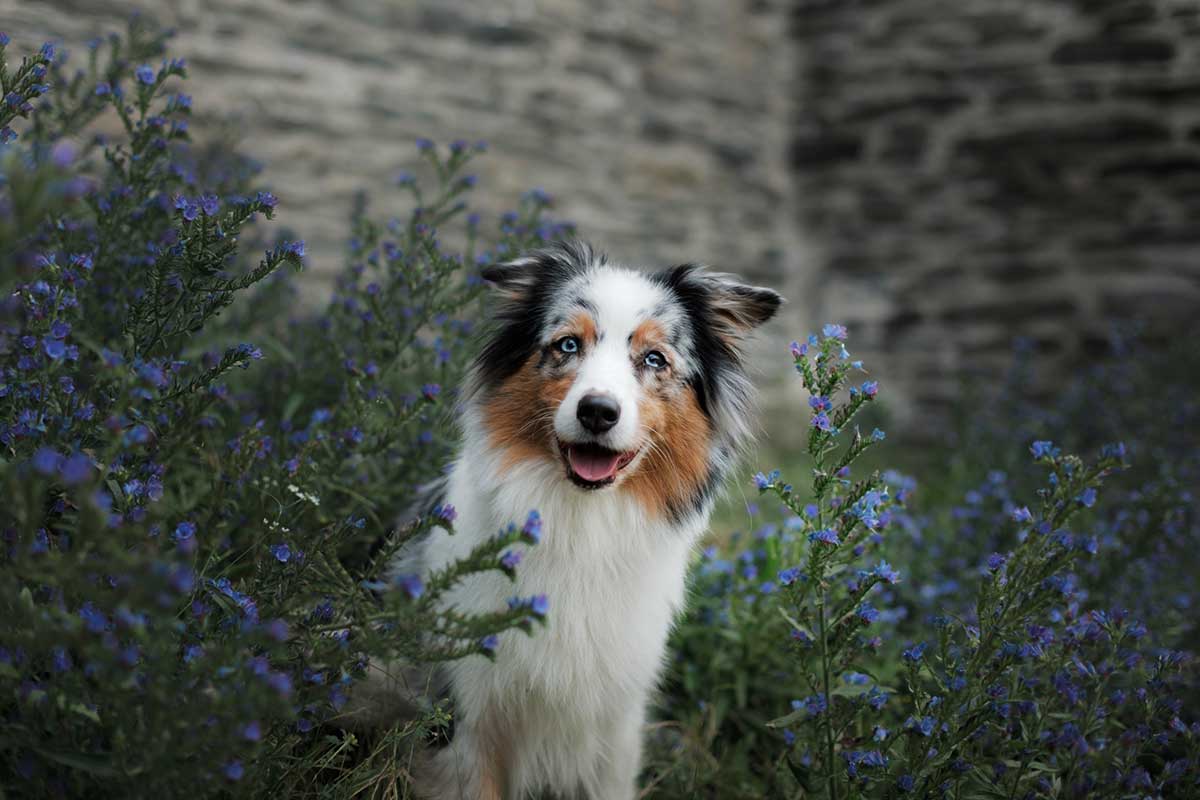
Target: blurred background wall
x,y
943,175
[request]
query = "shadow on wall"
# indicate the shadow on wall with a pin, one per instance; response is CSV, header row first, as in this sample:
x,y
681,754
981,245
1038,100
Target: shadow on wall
x,y
976,172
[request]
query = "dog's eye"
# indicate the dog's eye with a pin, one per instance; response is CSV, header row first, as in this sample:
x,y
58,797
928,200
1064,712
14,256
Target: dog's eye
x,y
567,344
655,360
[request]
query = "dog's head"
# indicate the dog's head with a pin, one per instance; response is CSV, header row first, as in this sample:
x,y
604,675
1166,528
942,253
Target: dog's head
x,y
623,379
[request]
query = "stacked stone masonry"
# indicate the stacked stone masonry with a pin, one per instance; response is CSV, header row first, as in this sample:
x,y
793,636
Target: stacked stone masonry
x,y
942,175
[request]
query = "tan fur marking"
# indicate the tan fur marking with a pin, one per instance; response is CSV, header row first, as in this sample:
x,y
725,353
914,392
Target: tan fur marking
x,y
519,416
677,462
647,336
585,327
582,326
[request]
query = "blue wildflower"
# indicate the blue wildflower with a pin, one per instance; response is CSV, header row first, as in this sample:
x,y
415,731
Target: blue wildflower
x,y
54,347
281,552
532,529
826,536
1043,449
834,331
46,460
145,74
411,585
884,571
915,653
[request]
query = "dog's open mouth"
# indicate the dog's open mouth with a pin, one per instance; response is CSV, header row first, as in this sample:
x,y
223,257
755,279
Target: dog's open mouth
x,y
591,466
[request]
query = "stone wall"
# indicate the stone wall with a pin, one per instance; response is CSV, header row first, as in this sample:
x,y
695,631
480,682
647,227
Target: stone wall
x,y
943,175
975,170
662,132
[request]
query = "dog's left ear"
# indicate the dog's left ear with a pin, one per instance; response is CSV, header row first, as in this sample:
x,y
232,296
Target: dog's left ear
x,y
738,307
514,279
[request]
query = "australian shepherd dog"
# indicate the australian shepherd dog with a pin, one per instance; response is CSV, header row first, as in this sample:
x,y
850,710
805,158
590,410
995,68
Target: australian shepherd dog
x,y
614,402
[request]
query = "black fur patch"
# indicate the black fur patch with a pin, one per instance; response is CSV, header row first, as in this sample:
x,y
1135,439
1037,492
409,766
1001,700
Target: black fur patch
x,y
533,284
712,352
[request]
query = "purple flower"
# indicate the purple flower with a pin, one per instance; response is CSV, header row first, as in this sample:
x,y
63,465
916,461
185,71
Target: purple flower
x,y
46,460
445,512
510,560
210,205
1087,497
234,771
424,145
821,422
281,552
826,536
996,561
1022,514
411,585
252,731
54,347
489,643
867,613
915,653
815,705
430,391
145,74
789,576
532,529
184,531
1043,449
539,604
76,469
834,331
884,571
870,388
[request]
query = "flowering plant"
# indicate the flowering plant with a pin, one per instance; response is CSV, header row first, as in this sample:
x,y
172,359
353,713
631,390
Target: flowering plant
x,y
195,528
1019,689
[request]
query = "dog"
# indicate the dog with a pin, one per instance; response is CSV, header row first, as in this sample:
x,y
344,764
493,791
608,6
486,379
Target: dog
x,y
615,403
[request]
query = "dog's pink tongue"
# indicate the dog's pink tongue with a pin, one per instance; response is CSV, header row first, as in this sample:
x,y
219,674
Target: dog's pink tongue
x,y
593,465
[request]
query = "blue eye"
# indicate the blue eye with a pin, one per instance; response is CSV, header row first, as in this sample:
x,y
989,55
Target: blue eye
x,y
567,344
655,360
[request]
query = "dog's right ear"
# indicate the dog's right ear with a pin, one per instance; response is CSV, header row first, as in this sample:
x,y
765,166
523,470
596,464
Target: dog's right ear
x,y
513,280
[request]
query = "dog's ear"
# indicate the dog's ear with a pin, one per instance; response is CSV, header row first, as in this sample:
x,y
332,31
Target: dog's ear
x,y
737,307
514,279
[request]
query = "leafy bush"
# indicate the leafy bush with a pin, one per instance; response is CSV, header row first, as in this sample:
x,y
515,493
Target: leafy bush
x,y
809,667
187,580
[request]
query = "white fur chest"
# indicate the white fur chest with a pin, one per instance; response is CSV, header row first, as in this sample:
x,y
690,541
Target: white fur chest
x,y
615,579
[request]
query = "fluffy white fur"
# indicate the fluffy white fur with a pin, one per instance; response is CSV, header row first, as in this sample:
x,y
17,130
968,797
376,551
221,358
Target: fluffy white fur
x,y
571,700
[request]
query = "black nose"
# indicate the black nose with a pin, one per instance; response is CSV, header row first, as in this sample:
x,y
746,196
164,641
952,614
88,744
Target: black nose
x,y
598,412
